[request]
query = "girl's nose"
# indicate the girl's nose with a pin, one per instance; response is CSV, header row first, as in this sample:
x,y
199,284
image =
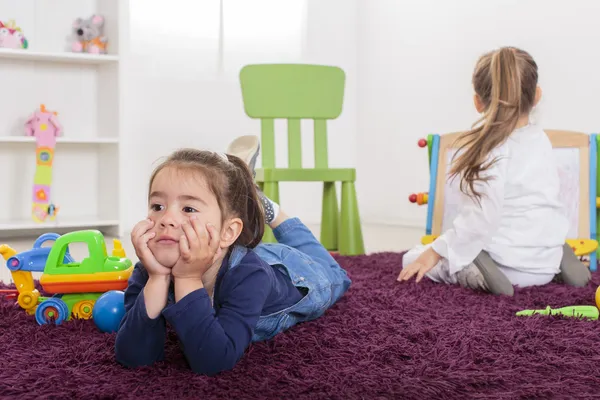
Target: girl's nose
x,y
168,220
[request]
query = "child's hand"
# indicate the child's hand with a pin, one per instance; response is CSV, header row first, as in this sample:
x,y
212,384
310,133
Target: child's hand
x,y
415,268
199,247
139,238
422,265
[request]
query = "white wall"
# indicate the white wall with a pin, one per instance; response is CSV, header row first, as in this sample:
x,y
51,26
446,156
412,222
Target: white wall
x,y
415,64
179,94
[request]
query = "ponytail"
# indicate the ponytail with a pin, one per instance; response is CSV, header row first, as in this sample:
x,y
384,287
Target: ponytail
x,y
250,207
498,83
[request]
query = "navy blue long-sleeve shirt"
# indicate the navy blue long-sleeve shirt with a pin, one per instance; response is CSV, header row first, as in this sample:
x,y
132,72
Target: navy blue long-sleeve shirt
x,y
213,338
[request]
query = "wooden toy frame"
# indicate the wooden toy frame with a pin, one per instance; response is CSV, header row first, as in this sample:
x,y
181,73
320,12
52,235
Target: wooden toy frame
x,y
588,224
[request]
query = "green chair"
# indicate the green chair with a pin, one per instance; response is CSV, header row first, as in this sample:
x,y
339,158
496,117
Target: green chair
x,y
295,92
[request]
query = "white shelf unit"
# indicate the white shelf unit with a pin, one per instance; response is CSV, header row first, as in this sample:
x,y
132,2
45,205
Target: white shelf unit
x,y
60,140
64,57
85,91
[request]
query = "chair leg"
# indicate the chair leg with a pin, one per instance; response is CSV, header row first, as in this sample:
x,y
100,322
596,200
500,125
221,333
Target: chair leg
x,y
271,190
329,217
351,240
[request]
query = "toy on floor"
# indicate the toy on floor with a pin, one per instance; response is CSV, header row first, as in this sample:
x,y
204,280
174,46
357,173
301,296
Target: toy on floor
x,y
88,35
76,286
590,312
576,151
44,126
11,36
109,310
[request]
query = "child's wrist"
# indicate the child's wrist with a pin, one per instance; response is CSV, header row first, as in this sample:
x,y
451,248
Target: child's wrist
x,y
158,279
155,294
185,286
430,257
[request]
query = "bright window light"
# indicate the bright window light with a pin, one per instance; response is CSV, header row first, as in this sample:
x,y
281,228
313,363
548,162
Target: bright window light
x,y
257,31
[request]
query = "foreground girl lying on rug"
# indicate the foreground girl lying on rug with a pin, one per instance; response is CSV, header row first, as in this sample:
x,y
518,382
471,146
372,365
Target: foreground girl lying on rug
x,y
203,271
512,228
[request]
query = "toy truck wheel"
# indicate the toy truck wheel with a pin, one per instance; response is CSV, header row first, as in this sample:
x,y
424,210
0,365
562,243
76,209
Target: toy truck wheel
x,y
28,300
52,310
83,309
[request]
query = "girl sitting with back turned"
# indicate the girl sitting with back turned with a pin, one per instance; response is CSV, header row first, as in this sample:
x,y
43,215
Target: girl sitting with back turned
x,y
203,271
512,228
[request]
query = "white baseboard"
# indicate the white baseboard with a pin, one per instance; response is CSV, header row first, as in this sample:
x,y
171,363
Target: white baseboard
x,y
404,223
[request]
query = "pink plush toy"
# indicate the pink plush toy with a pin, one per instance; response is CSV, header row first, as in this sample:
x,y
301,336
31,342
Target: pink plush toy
x,y
11,36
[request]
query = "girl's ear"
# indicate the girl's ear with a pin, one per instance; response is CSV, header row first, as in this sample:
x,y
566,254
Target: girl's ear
x,y
478,103
538,96
230,231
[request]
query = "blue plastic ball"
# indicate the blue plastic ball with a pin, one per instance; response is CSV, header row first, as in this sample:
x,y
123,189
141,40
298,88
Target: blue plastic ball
x,y
109,310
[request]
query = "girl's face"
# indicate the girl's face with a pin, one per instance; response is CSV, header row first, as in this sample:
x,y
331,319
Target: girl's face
x,y
175,196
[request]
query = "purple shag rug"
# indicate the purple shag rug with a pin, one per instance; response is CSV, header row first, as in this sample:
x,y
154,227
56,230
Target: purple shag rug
x,y
382,340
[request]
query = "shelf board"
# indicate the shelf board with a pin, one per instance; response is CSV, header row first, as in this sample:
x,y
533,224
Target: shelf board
x,y
63,140
60,57
59,223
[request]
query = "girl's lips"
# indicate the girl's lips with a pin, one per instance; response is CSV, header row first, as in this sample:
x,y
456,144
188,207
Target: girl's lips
x,y
167,241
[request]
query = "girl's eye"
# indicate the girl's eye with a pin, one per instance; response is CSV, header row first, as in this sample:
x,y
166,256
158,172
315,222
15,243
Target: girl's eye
x,y
18,35
189,210
156,207
4,32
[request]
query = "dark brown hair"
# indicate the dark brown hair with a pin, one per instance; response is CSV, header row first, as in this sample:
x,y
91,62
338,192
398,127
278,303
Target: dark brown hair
x,y
230,180
505,80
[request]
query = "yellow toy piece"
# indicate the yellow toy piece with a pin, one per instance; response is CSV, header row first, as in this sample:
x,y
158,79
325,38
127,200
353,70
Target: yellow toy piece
x,y
427,239
582,247
118,250
7,252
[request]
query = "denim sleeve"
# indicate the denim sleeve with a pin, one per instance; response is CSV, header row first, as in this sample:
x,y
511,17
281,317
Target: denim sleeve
x,y
214,341
140,340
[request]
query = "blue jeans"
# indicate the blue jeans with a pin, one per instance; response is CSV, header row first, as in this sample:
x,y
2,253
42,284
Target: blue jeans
x,y
310,267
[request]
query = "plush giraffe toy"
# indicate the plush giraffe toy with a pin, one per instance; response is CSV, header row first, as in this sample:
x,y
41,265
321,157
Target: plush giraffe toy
x,y
44,126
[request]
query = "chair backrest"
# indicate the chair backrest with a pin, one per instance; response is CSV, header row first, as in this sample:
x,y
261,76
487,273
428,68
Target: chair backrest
x,y
293,92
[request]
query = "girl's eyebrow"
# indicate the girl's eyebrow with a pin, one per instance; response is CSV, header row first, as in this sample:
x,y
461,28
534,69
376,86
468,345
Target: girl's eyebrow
x,y
157,194
193,198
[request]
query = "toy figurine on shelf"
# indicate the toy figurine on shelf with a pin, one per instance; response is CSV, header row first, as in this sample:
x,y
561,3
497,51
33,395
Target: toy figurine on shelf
x,y
11,36
44,126
89,35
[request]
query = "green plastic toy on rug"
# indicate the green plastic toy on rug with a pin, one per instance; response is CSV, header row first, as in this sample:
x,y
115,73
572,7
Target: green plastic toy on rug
x,y
590,312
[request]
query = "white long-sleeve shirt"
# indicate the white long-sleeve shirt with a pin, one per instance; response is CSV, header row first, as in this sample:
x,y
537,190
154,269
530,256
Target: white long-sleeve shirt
x,y
521,222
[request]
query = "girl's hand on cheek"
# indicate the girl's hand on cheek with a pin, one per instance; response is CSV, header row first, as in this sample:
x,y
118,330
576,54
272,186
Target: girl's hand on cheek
x,y
140,235
199,247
